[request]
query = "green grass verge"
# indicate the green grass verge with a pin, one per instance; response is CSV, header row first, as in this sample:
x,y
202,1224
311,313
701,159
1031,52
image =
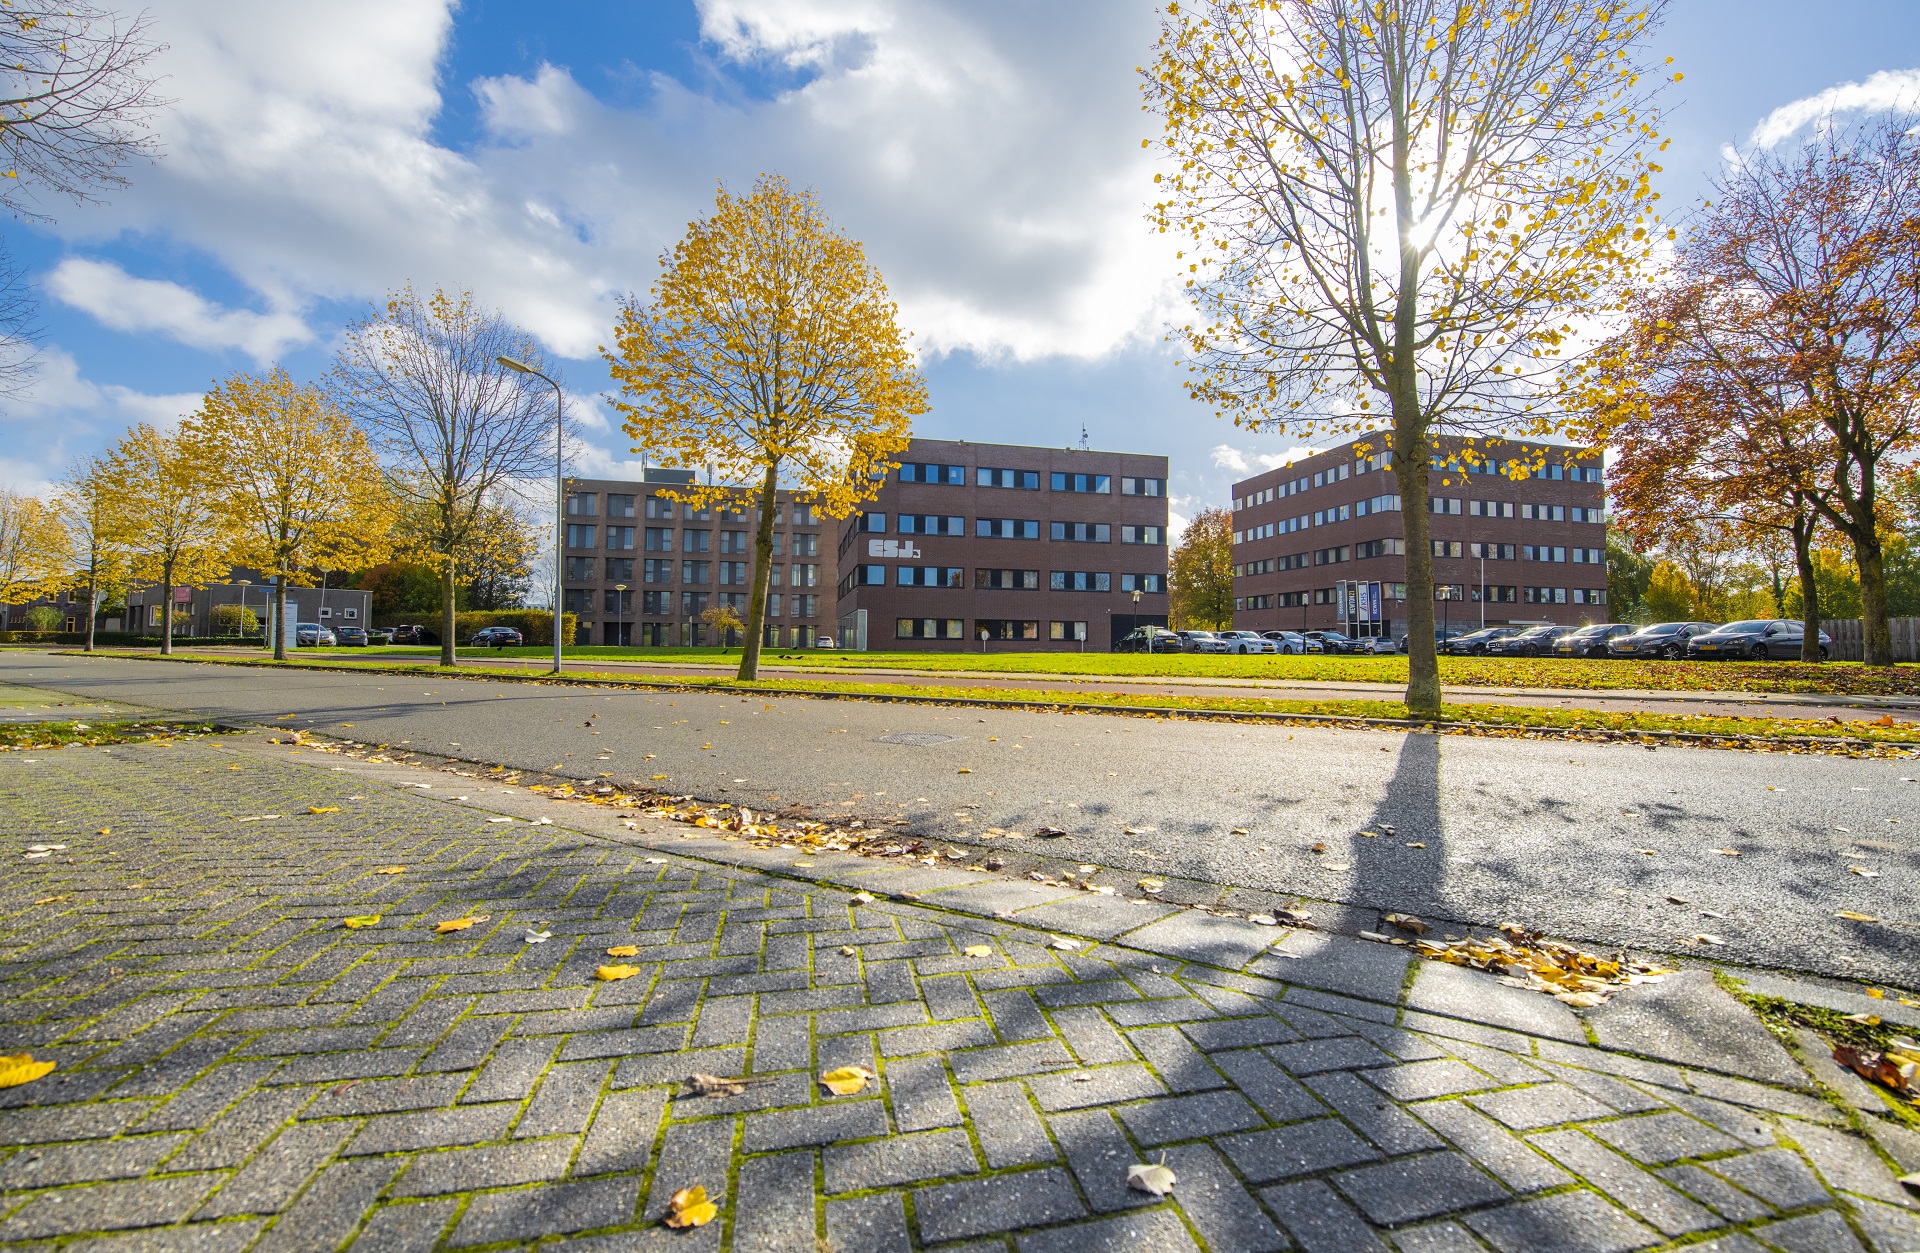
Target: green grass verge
x,y
1779,677
20,736
1495,717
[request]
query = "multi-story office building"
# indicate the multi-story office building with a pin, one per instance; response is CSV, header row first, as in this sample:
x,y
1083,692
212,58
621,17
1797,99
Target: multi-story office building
x,y
1318,543
998,545
641,567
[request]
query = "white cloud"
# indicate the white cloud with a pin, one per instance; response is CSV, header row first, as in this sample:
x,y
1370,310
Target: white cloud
x,y
67,416
990,162
1227,457
1885,91
126,303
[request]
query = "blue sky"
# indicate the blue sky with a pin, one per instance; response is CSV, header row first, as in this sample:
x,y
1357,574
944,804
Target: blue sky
x,y
987,153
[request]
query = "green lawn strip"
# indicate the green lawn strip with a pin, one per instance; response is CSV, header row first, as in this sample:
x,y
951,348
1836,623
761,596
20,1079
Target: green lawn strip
x,y
1836,678
18,736
1489,717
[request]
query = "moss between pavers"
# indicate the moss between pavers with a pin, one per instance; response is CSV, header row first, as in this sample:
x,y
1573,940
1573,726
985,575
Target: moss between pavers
x,y
24,736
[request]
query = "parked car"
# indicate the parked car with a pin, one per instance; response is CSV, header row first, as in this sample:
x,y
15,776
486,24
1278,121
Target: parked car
x,y
1590,641
1757,640
379,635
1293,642
1376,644
1246,642
1474,643
1201,642
312,634
1440,637
1332,641
1535,641
1148,640
351,636
824,641
495,637
413,635
1662,639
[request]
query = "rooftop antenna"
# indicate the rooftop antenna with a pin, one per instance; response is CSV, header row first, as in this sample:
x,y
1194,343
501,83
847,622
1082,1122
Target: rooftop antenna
x,y
1084,447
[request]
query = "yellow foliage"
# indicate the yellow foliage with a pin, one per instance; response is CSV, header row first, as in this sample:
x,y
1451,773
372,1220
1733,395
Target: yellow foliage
x,y
35,550
165,516
1669,593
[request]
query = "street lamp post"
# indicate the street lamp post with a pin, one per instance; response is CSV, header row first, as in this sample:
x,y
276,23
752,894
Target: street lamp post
x,y
619,609
243,585
559,496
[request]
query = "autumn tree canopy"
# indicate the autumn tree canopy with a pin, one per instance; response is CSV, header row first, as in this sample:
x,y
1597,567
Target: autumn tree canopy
x,y
770,351
1390,217
1200,574
166,518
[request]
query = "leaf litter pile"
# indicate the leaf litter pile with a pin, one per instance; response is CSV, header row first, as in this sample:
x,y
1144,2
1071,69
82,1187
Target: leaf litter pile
x,y
1896,1067
1527,959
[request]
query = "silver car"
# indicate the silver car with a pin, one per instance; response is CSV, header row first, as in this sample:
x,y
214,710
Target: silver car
x,y
312,634
1376,644
1201,642
1247,642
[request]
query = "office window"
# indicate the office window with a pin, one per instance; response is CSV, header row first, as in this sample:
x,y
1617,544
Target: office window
x,y
581,506
326,611
804,515
931,524
773,604
1330,556
736,601
1380,548
573,600
733,542
1442,504
659,539
1448,548
1544,513
863,576
1067,631
1080,581
1006,628
805,606
656,570
873,523
804,575
733,574
579,569
619,569
1542,552
735,512
579,535
349,613
1551,472
618,602
696,541
692,604
1586,474
807,544
1096,483
1492,552
619,506
1025,480
695,572
1579,514
659,507
929,628
702,514
1130,486
1377,504
659,604
919,472
1500,593
1151,584
1546,595
1082,532
1143,535
929,576
620,537
1490,508
1006,528
1007,580
1589,596
1449,591
1587,556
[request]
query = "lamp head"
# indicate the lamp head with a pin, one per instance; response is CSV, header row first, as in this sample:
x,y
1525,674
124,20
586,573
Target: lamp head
x,y
518,367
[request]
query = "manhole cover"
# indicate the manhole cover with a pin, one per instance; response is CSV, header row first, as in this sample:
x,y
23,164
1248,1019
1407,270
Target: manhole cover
x,y
921,739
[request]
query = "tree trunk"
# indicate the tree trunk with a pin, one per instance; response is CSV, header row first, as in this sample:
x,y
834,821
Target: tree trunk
x,y
279,620
762,572
446,611
1876,633
166,610
1410,468
1802,530
93,594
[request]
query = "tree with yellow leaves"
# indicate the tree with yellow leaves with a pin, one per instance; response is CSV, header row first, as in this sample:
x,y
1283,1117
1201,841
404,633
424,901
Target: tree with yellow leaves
x,y
165,517
771,352
301,487
35,555
1401,206
1200,574
91,512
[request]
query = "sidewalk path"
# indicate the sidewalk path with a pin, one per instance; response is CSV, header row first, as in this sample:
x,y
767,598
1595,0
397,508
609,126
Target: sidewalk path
x,y
238,1071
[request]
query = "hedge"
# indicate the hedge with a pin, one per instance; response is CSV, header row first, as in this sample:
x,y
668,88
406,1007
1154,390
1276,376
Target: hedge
x,y
535,625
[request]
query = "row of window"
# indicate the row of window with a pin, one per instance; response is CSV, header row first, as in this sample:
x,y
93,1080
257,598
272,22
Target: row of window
x,y
1339,473
1395,547
660,570
1002,580
1009,528
1029,480
985,628
581,601
692,634
586,505
659,539
1493,594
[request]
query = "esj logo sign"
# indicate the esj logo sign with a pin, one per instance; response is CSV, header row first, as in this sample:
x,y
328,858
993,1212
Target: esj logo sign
x,y
891,548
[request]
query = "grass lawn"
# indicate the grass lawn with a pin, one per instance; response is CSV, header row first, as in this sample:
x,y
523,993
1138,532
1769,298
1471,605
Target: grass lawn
x,y
1834,677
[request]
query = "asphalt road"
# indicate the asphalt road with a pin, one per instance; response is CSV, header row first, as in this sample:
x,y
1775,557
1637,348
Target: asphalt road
x,y
1540,832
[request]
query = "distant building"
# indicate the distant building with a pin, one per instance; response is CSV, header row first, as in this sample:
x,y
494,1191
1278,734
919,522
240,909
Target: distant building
x,y
194,606
1006,546
676,562
1318,544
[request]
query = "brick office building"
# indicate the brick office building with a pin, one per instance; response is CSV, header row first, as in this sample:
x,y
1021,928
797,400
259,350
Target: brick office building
x,y
676,562
1318,543
1037,548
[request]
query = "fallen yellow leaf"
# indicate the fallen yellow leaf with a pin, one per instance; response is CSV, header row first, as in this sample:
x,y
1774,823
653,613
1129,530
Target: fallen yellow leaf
x,y
391,870
323,809
1646,852
21,1068
978,950
691,1208
1157,1179
1850,916
50,900
609,974
459,924
846,1080
624,950
104,831
361,920
1727,852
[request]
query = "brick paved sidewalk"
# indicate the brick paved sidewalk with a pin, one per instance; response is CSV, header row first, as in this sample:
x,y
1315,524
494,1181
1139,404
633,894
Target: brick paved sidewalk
x,y
238,1071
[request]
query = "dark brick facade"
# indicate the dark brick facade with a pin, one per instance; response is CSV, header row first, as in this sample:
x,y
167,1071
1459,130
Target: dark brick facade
x,y
1529,549
1041,548
677,562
